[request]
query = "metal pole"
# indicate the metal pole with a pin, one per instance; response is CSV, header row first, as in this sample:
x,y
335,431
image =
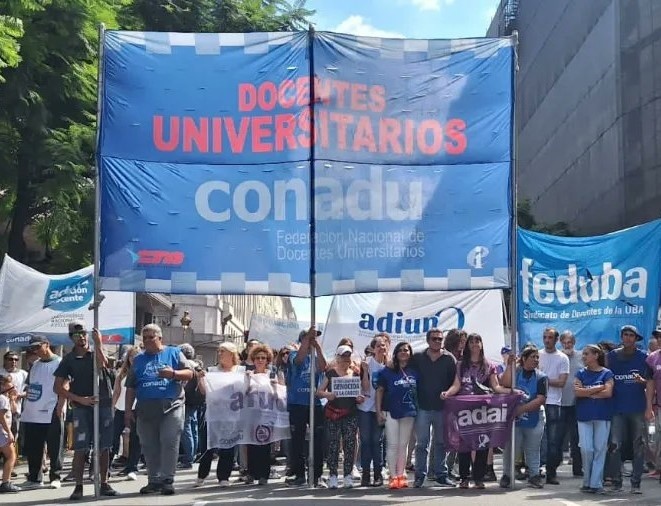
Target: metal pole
x,y
513,242
313,284
97,260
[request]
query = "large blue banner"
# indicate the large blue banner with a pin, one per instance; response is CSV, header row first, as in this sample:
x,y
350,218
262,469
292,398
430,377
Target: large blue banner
x,y
589,285
209,147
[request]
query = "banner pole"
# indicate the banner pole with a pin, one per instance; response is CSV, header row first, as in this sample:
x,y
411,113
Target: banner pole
x,y
313,287
513,247
97,260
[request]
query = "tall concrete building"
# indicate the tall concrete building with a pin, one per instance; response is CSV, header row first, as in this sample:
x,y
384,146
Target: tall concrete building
x,y
588,109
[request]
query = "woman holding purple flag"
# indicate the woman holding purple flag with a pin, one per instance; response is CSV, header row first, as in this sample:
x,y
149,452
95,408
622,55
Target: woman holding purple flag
x,y
475,376
594,411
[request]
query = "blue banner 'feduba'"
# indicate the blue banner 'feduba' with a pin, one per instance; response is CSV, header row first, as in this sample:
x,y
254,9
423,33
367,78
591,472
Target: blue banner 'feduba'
x,y
589,285
209,147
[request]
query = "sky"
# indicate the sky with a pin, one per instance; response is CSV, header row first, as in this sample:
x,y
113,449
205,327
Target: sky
x,y
416,19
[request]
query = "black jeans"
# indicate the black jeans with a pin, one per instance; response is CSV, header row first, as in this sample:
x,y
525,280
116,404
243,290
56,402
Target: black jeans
x,y
569,428
38,434
299,417
259,461
225,463
479,465
117,429
554,437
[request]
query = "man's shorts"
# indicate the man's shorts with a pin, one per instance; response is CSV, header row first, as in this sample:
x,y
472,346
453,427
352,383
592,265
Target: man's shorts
x,y
83,427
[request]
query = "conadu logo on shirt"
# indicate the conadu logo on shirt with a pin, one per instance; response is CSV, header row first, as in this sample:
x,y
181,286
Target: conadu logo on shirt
x,y
68,294
571,288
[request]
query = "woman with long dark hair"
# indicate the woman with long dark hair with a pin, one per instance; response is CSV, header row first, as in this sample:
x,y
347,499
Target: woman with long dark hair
x,y
475,376
397,407
594,411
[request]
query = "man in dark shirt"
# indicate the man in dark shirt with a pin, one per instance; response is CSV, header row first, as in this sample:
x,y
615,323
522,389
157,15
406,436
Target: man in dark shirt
x,y
74,380
437,370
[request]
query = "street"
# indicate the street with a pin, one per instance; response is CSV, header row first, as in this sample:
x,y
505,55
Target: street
x,y
278,494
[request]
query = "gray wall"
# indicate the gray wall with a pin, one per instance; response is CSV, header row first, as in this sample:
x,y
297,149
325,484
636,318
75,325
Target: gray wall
x,y
589,72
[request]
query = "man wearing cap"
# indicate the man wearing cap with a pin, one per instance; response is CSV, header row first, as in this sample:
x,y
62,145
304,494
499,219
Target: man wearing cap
x,y
629,366
77,371
298,405
42,416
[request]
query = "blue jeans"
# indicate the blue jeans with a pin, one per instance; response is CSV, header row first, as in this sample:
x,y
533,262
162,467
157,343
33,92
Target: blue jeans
x,y
529,441
423,422
593,440
554,437
189,435
623,426
371,438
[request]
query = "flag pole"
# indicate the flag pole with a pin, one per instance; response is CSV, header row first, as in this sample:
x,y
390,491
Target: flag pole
x,y
313,383
513,245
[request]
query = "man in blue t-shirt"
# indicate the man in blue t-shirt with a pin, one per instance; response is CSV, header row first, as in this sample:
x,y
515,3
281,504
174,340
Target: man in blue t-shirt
x,y
298,405
631,372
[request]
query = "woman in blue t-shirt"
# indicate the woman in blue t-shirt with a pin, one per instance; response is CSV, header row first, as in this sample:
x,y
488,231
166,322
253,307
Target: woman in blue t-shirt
x,y
397,407
532,385
594,388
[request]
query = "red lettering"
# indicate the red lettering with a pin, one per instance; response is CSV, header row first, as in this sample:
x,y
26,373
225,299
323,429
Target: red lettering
x,y
237,139
454,129
259,132
217,135
287,94
389,131
377,98
341,87
194,134
364,136
160,143
303,91
408,136
160,257
247,97
305,126
342,121
433,126
359,97
284,131
322,90
267,96
322,128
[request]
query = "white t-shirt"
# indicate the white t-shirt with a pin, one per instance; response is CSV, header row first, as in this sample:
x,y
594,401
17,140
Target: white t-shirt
x,y
553,365
19,378
370,398
41,400
6,407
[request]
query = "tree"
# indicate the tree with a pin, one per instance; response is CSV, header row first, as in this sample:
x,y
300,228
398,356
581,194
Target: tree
x,y
526,220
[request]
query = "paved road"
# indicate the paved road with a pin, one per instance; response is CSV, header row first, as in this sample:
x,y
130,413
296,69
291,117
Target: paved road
x,y
277,494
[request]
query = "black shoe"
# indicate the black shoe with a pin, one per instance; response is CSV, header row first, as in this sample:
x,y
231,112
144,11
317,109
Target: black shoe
x,y
167,488
490,475
418,482
521,475
289,473
536,482
505,481
365,479
151,488
297,482
552,481
77,493
577,474
445,481
106,490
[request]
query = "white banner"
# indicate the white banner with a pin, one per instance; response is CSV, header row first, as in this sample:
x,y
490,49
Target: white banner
x,y
35,303
346,386
245,409
277,332
407,316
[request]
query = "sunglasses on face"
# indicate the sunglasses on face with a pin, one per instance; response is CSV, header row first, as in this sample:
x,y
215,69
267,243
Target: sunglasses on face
x,y
436,339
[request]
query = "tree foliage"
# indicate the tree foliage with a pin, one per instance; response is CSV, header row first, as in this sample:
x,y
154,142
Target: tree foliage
x,y
526,220
48,89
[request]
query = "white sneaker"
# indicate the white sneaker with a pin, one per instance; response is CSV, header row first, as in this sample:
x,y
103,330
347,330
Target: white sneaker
x,y
224,483
131,476
55,484
199,482
356,474
348,481
332,481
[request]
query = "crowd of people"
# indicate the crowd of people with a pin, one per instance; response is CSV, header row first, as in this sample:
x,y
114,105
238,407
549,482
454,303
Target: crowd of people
x,y
599,400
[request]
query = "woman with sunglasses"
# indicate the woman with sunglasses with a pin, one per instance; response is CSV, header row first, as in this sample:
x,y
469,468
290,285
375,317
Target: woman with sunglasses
x,y
397,407
475,376
341,417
